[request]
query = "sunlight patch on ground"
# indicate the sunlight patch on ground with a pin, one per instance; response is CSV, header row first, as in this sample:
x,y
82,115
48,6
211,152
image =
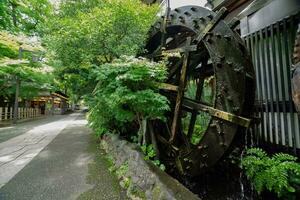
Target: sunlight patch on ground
x,y
6,128
17,152
6,158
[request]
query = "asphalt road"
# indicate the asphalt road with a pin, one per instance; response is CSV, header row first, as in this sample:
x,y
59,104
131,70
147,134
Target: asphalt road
x,y
70,167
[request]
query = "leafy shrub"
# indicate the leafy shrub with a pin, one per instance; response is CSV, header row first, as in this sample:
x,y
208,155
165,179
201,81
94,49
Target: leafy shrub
x,y
150,153
279,173
127,91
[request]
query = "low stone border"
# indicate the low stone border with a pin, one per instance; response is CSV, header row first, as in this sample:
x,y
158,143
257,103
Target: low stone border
x,y
142,179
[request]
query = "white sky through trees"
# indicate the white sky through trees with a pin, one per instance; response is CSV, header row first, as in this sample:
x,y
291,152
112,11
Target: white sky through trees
x,y
178,3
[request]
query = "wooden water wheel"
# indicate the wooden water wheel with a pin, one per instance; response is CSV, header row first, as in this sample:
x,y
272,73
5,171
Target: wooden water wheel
x,y
210,87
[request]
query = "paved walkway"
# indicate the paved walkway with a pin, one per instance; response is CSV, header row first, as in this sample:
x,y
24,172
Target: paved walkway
x,y
56,160
11,131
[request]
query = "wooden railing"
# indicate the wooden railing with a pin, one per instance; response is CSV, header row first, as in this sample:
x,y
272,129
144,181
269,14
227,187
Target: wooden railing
x,y
6,113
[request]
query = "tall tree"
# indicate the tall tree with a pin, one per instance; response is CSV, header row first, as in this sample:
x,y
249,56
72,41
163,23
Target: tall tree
x,y
85,34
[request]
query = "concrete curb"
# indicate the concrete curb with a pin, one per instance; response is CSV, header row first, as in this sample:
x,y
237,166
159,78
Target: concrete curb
x,y
142,179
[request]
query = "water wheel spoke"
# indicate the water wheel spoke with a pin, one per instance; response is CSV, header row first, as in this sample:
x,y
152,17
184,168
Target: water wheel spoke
x,y
194,112
180,92
242,121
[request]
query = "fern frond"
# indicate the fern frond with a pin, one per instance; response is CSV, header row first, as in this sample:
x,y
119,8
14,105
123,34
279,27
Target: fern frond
x,y
279,173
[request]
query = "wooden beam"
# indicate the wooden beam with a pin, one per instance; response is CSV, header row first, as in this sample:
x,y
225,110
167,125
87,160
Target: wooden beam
x,y
242,121
180,92
167,86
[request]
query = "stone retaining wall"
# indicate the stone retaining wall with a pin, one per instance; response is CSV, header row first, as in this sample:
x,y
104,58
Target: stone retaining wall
x,y
142,179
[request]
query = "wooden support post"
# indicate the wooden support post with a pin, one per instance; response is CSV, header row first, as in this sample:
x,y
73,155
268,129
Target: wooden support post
x,y
19,113
0,113
181,87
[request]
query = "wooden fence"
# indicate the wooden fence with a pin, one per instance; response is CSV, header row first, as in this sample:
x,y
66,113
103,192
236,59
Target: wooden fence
x,y
6,113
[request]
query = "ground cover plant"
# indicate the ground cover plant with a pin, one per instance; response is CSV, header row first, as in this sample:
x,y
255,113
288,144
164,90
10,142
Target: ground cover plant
x,y
279,173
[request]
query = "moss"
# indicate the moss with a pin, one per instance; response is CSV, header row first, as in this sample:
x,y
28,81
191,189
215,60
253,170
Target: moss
x,y
125,182
156,193
122,170
111,163
136,193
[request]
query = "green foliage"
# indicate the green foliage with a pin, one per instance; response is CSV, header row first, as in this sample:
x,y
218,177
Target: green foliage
x,y
23,15
150,153
5,51
85,34
202,120
122,170
33,80
127,91
279,173
33,76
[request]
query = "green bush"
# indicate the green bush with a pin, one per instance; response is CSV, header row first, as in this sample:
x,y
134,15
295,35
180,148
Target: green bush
x,y
150,154
279,173
127,91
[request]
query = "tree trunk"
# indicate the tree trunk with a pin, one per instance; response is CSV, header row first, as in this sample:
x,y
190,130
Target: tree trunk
x,y
13,12
18,82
